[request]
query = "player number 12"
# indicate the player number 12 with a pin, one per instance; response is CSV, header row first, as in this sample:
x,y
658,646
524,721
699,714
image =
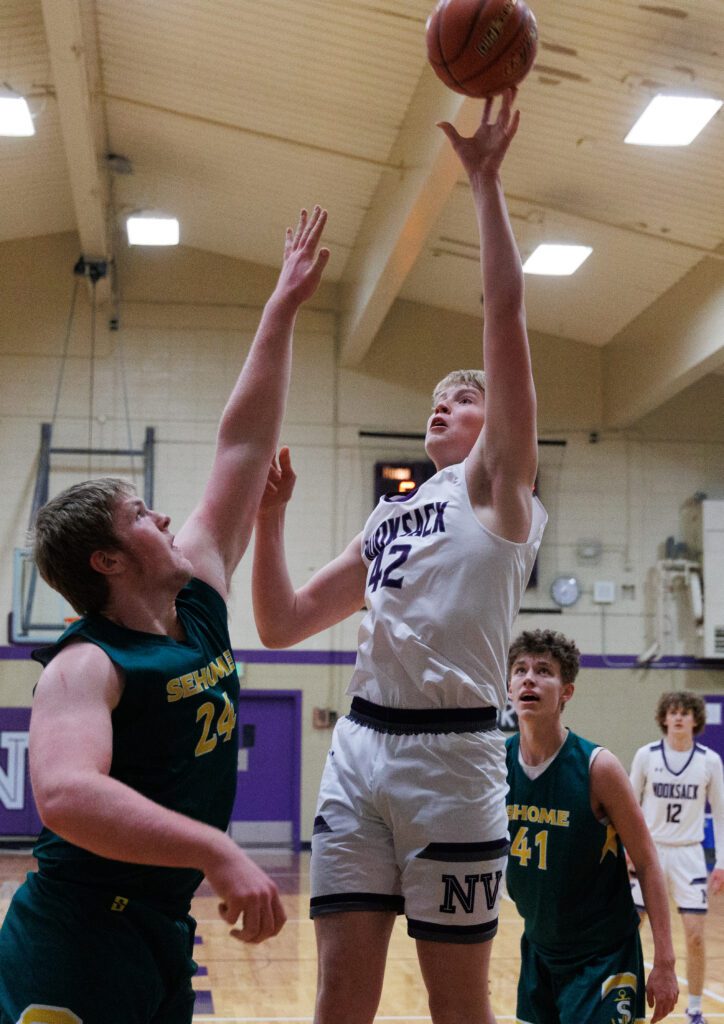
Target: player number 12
x,y
673,812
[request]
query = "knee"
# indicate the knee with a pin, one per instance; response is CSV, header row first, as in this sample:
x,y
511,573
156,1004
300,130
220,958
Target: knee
x,y
459,1010
695,941
341,995
334,977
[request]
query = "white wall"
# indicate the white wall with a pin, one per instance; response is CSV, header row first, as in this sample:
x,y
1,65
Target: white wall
x,y
186,323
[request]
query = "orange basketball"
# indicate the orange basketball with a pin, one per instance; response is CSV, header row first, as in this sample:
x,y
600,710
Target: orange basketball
x,y
481,47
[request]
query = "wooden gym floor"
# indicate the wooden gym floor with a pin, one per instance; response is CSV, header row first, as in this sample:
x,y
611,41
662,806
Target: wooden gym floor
x,y
275,982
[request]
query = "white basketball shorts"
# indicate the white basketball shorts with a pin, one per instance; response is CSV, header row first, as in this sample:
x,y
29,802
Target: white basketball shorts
x,y
684,869
411,818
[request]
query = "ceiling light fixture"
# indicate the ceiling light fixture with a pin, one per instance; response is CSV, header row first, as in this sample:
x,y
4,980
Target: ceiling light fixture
x,y
152,229
556,260
672,120
15,119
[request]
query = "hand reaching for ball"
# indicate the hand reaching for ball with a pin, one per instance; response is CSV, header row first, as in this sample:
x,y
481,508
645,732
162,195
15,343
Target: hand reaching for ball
x,y
483,152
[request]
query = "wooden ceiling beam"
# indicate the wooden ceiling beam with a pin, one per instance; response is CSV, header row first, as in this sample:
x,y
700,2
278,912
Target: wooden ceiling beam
x,y
74,64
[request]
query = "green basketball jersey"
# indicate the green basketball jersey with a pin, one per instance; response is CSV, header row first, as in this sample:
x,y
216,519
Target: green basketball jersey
x,y
566,871
174,739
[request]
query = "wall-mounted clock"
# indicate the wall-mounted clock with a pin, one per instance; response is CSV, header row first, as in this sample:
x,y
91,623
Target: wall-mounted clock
x,y
565,590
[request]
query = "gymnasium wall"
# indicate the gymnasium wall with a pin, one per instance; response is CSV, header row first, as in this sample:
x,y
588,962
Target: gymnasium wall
x,y
187,320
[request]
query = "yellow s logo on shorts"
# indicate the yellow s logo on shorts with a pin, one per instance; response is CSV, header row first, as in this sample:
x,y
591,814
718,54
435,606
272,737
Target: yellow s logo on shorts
x,y
37,1014
623,1008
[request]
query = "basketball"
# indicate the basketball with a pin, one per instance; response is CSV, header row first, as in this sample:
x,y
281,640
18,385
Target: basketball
x,y
481,47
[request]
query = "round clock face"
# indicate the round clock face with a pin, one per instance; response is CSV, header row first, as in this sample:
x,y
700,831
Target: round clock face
x,y
565,590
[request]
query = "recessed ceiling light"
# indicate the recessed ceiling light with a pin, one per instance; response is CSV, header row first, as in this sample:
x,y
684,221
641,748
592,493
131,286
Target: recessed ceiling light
x,y
145,230
15,116
672,121
556,260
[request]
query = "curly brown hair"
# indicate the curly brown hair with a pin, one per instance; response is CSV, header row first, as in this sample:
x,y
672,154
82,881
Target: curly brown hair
x,y
547,641
687,701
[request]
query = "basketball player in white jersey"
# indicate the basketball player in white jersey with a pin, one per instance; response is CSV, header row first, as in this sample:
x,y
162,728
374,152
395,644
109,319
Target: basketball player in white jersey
x,y
673,780
411,815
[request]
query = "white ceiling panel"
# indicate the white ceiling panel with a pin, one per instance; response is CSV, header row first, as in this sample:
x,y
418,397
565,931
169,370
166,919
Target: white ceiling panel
x,y
234,113
213,179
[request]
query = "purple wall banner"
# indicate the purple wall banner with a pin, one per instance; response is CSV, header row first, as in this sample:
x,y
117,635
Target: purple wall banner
x,y
268,797
18,816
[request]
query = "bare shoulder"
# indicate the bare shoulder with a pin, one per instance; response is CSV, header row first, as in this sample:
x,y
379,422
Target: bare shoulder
x,y
610,786
71,723
607,767
81,671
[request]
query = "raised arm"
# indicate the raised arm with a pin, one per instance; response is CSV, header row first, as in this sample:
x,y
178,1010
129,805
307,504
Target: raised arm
x,y
613,797
216,534
71,745
502,466
283,615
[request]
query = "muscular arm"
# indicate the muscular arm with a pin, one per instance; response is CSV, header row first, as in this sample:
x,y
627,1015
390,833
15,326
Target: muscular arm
x,y
502,465
218,531
71,745
613,798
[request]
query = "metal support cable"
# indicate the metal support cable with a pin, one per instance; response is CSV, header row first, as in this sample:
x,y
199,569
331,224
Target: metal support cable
x,y
92,373
64,355
124,384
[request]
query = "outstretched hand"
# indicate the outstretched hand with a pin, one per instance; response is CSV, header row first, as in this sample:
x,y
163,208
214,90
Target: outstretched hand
x,y
302,266
279,484
484,151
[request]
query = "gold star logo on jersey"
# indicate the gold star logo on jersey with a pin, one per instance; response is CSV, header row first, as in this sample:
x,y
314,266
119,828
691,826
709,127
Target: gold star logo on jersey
x,y
610,844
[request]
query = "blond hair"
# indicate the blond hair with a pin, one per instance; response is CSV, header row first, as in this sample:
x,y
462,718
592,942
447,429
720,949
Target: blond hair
x,y
475,378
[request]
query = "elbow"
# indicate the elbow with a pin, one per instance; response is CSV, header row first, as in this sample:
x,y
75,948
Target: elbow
x,y
61,802
53,822
508,304
271,642
53,806
273,637
280,625
647,866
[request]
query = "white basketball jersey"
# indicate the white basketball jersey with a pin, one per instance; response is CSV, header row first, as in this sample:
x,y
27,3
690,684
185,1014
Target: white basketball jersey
x,y
674,802
442,595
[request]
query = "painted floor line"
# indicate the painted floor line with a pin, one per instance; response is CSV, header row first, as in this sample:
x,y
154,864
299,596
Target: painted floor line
x,y
378,1020
218,920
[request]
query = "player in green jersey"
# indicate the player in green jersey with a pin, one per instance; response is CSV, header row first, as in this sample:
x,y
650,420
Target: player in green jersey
x,y
133,737
570,807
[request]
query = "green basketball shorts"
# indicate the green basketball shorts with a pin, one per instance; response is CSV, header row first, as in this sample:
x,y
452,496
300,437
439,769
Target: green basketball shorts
x,y
73,955
603,988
